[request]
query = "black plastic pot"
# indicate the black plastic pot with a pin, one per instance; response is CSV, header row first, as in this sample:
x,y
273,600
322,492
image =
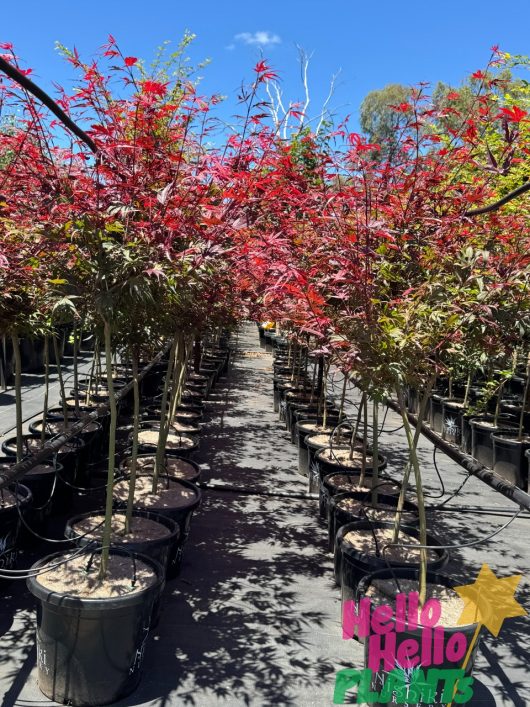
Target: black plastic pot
x,y
380,676
57,413
281,377
337,516
509,460
68,455
151,381
302,430
92,434
452,412
436,417
10,524
90,651
481,441
178,445
181,514
47,495
515,385
313,470
188,427
327,466
307,412
351,565
182,414
332,484
161,549
283,390
513,409
177,468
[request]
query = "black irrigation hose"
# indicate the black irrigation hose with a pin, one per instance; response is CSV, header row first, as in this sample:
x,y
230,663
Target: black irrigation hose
x,y
52,540
459,546
442,494
487,476
44,98
26,574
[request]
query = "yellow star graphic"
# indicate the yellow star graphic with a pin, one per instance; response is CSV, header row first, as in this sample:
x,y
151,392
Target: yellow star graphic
x,y
490,600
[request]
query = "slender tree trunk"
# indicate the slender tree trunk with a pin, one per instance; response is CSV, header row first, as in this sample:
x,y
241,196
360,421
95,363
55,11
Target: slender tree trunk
x,y
498,405
61,380
375,452
180,375
197,354
468,388
324,394
406,474
161,448
18,394
76,372
357,423
92,371
46,386
365,441
343,397
134,453
419,497
107,528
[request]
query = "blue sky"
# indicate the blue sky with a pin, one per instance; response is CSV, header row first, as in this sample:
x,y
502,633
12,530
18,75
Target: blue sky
x,y
372,44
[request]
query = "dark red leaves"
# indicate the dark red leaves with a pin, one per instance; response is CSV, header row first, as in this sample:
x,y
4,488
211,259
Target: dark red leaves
x,y
264,72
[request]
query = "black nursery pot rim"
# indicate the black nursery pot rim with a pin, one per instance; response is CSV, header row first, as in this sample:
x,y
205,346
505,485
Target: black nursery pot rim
x,y
356,469
166,521
408,506
189,462
505,437
66,601
350,551
502,425
9,446
36,426
22,492
413,574
191,505
172,451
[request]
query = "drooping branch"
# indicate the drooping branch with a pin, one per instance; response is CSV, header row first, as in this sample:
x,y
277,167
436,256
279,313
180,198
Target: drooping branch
x,y
42,96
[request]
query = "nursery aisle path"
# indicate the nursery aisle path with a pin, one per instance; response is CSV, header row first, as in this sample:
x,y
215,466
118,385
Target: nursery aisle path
x,y
254,618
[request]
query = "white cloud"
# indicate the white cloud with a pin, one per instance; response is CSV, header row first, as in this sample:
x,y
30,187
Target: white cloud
x,y
261,38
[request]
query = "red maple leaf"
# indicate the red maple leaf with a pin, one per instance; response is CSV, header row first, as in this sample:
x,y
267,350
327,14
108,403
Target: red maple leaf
x,y
513,114
154,87
130,60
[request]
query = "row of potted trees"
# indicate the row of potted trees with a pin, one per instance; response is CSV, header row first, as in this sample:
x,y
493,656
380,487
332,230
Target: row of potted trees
x,y
369,253
93,620
373,529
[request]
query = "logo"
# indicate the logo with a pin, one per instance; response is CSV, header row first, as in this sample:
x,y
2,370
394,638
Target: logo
x,y
409,657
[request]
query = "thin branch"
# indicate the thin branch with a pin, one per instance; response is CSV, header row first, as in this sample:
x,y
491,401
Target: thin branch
x,y
328,99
